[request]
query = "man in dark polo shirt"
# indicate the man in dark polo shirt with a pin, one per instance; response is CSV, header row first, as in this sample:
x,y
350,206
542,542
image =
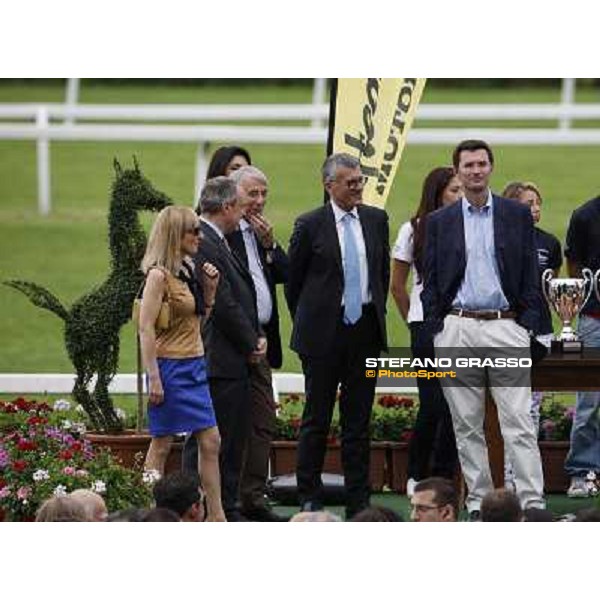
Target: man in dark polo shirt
x,y
582,249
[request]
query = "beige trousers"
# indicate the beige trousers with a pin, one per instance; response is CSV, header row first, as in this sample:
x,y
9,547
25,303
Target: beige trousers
x,y
467,406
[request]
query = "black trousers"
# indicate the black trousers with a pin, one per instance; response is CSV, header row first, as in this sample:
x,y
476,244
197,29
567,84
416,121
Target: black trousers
x,y
231,403
432,449
345,366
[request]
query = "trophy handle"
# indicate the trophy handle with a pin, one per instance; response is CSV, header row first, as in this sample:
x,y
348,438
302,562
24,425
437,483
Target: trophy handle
x,y
588,277
596,284
547,277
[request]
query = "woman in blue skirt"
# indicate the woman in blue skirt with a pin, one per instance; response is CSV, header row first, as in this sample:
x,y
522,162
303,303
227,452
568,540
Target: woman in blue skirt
x,y
179,397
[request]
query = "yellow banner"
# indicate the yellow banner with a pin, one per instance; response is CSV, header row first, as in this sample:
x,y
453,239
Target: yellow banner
x,y
372,121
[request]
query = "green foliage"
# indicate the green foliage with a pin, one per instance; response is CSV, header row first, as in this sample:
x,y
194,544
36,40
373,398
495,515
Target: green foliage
x,y
93,323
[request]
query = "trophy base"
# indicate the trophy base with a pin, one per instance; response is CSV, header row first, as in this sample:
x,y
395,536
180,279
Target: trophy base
x,y
566,347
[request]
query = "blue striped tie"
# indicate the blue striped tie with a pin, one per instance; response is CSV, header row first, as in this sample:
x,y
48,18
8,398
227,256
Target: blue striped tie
x,y
352,291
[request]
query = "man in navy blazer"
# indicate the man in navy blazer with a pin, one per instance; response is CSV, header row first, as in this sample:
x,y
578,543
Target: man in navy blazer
x,y
481,290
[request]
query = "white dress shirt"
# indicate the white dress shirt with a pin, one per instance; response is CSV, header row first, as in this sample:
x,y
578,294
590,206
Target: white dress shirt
x,y
264,302
356,229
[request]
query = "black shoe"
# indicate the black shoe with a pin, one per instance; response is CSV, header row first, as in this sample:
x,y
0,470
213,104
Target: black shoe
x,y
311,506
235,516
262,514
475,515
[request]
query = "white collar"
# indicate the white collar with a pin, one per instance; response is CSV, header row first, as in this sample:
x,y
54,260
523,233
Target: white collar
x,y
214,227
340,213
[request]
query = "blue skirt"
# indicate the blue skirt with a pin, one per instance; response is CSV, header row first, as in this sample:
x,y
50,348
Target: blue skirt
x,y
187,405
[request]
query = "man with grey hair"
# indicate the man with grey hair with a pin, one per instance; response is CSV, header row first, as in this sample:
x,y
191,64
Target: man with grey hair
x,y
254,245
336,291
232,336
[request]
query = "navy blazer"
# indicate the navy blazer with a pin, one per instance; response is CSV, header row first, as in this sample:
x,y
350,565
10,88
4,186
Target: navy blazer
x,y
445,261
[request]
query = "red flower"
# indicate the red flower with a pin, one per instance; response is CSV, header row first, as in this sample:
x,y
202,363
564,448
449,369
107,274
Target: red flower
x,y
19,465
77,446
25,445
66,454
406,436
21,404
37,420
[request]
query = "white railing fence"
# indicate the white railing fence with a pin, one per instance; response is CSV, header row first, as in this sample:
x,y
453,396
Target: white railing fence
x,y
163,123
126,383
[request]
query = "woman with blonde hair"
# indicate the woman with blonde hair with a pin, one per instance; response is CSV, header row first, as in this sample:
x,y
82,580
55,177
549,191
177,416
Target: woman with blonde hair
x,y
179,397
61,508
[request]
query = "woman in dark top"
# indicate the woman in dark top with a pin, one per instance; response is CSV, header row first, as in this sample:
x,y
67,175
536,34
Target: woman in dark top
x,y
549,256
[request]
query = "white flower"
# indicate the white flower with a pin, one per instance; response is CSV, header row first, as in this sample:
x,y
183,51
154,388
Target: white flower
x,y
62,404
98,486
79,427
41,475
121,413
66,424
60,490
150,477
591,476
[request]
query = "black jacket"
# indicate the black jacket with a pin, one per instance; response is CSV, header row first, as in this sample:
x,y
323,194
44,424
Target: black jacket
x,y
275,265
231,332
316,276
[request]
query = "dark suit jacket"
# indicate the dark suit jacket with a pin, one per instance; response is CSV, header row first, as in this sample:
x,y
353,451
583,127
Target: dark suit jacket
x,y
316,277
445,261
275,266
231,332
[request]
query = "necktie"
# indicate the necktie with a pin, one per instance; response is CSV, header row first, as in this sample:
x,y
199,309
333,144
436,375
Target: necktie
x,y
352,292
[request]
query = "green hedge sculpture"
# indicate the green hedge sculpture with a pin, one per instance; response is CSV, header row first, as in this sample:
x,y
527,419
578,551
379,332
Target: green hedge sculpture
x,y
93,323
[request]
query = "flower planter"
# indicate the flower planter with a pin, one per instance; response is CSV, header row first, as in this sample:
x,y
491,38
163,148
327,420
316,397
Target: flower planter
x,y
283,460
130,448
556,479
553,455
397,466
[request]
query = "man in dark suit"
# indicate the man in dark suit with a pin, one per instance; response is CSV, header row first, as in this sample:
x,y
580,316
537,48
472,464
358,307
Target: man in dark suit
x,y
232,336
482,291
337,287
253,243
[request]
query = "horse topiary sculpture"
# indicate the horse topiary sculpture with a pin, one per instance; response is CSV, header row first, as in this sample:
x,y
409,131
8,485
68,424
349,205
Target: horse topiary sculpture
x,y
93,323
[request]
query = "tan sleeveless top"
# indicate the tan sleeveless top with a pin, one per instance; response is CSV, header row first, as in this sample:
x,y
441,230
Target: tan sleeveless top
x,y
182,339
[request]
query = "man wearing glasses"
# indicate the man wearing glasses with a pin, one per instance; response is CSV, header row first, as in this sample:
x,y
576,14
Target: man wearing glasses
x,y
336,291
434,500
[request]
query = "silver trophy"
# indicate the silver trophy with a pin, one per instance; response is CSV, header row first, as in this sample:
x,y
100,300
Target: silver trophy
x,y
567,297
597,284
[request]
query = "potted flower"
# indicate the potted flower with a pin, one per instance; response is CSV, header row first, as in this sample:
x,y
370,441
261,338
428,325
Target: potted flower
x,y
43,453
556,421
392,420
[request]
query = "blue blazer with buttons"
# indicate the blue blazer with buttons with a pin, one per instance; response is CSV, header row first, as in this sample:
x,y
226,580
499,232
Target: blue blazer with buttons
x,y
445,261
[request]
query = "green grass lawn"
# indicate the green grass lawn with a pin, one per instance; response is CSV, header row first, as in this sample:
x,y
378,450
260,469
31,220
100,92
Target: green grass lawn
x,y
67,252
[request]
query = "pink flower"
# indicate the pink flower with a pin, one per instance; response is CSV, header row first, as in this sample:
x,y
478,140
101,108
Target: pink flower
x,y
79,472
23,493
69,471
5,492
